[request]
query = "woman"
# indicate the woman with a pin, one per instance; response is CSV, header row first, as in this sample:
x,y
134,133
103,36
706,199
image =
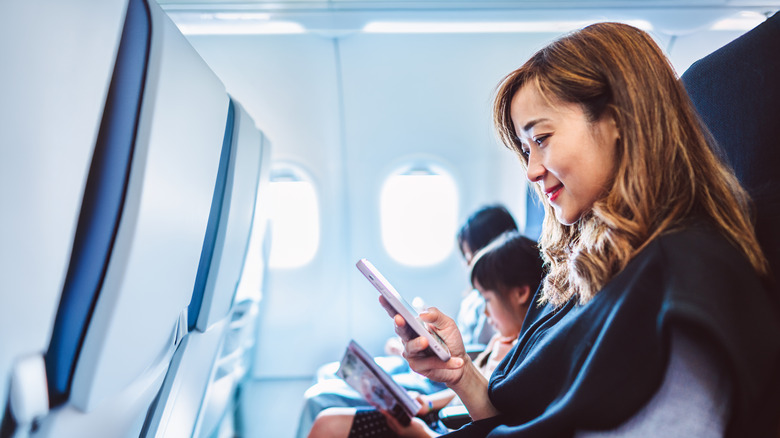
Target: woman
x,y
654,317
506,273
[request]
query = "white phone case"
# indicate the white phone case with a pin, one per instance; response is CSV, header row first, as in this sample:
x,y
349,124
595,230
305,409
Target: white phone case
x,y
401,306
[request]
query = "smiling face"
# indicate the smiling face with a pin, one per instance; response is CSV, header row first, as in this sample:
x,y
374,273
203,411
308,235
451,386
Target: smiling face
x,y
571,159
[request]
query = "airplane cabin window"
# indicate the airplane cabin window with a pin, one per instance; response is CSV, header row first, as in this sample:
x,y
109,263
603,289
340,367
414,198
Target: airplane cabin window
x,y
419,209
294,218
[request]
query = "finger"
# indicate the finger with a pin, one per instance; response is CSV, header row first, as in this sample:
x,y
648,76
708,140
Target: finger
x,y
425,363
388,308
417,346
455,363
404,330
435,317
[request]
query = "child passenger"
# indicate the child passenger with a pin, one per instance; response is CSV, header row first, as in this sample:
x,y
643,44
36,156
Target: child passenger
x,y
654,318
506,273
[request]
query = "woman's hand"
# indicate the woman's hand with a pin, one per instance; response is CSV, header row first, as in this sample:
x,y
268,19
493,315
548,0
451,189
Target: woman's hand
x,y
427,364
459,373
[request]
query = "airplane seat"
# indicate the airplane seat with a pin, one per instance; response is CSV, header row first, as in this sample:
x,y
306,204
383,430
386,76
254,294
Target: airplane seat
x,y
236,352
218,410
66,117
213,298
132,268
735,90
737,93
180,405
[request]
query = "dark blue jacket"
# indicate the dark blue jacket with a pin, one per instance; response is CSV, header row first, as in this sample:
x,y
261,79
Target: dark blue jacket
x,y
592,367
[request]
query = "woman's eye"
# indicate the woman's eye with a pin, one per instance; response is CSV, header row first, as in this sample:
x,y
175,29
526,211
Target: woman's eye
x,y
540,140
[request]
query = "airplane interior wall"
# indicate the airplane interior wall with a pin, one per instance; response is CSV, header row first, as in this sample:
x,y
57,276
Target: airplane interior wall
x,y
361,107
350,111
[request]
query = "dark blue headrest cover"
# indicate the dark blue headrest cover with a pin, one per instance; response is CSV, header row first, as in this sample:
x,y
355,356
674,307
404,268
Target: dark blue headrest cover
x,y
102,204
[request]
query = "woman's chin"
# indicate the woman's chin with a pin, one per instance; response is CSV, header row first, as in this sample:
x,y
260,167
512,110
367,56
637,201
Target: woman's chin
x,y
565,220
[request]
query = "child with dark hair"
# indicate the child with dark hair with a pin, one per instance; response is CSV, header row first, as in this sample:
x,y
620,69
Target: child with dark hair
x,y
482,227
479,230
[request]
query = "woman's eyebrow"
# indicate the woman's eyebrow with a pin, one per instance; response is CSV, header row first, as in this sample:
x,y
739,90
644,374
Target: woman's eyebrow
x,y
533,123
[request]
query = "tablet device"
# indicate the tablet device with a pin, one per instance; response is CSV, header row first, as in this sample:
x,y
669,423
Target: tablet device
x,y
361,372
400,305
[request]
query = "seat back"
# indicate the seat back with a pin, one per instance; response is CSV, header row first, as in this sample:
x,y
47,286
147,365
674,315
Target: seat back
x,y
102,203
234,357
150,279
187,382
137,319
219,274
735,90
58,73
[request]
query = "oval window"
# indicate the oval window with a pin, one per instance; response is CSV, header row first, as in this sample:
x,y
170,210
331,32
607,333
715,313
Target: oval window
x,y
294,218
419,209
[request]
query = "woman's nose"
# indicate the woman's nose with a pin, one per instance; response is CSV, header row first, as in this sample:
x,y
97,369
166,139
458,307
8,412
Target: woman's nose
x,y
536,170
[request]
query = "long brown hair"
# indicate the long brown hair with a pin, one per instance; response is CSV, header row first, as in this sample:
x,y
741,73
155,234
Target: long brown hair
x,y
666,170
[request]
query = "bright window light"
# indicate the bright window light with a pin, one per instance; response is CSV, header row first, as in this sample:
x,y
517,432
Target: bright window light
x,y
419,210
294,220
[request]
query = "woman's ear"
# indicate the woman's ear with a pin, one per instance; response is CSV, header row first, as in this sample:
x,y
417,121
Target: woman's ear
x,y
613,130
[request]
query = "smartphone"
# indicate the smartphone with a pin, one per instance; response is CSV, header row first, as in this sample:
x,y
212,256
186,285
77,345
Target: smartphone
x,y
417,326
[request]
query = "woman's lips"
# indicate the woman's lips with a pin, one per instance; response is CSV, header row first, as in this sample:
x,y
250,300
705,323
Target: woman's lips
x,y
553,193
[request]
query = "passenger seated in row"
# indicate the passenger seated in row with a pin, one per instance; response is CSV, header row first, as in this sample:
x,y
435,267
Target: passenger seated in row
x,y
656,318
479,229
506,274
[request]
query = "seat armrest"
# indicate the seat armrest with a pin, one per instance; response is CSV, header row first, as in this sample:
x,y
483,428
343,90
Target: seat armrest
x,y
473,350
454,417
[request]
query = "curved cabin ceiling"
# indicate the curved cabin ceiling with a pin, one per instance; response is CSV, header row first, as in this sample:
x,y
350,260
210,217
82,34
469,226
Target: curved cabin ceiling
x,y
336,18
